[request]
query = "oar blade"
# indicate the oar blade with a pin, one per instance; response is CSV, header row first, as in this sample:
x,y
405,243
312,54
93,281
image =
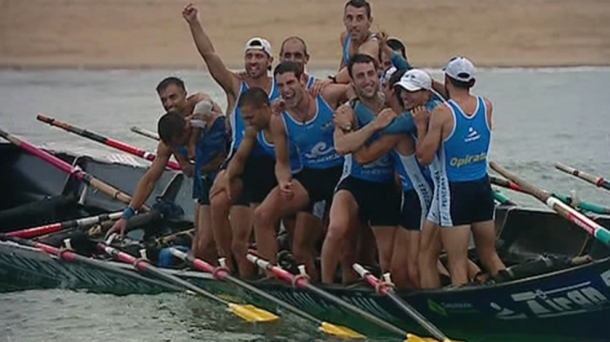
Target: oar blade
x,y
340,331
251,313
415,338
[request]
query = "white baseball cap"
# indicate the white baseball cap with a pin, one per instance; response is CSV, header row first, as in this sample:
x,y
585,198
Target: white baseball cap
x,y
414,80
258,43
460,69
386,76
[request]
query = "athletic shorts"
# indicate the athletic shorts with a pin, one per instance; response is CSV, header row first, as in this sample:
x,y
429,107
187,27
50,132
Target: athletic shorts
x,y
202,187
258,178
411,214
464,203
378,203
319,183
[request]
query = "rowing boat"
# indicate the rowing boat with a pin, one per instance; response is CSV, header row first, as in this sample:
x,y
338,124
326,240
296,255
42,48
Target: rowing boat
x,y
552,289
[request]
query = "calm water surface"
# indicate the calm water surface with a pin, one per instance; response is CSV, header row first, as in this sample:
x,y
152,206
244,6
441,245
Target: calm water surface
x,y
540,117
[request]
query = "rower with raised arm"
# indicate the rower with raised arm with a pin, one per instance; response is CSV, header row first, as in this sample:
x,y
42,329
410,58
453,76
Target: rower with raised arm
x,y
233,237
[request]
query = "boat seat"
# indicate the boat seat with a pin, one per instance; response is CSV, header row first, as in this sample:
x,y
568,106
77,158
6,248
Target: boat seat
x,y
533,232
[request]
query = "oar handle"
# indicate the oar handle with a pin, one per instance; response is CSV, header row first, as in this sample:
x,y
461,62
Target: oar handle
x,y
360,270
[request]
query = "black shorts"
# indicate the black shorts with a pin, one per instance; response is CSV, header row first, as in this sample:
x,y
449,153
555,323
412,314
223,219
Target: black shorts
x,y
258,178
319,183
411,214
202,187
467,203
379,203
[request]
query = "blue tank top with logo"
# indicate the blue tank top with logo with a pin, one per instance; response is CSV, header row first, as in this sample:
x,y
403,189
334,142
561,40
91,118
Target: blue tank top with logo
x,y
382,169
293,153
211,143
238,126
463,154
314,139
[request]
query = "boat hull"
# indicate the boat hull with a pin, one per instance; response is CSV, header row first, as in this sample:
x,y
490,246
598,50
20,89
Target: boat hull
x,y
566,302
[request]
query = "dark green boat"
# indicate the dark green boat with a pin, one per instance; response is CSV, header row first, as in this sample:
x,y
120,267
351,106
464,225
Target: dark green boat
x,y
559,286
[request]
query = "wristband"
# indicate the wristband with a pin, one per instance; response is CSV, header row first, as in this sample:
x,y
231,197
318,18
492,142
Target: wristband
x,y
128,213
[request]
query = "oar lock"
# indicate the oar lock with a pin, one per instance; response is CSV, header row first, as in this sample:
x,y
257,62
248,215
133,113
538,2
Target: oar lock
x,y
302,275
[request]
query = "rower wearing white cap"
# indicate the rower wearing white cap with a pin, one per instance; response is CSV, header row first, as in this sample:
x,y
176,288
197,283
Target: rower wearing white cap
x,y
459,135
258,58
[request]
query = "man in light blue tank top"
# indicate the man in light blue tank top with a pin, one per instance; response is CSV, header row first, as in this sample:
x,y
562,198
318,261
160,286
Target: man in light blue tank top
x,y
459,135
258,59
306,123
367,191
357,37
294,49
416,186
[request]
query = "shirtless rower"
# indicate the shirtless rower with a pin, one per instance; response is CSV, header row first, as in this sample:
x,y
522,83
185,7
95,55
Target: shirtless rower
x,y
258,58
366,191
459,134
305,122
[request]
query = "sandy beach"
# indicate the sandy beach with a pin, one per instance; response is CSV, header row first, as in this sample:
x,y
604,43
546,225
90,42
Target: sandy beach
x,y
153,34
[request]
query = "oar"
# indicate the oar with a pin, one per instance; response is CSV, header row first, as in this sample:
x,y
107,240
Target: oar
x,y
222,274
69,169
386,290
595,180
303,283
502,198
105,140
55,227
582,205
70,256
571,214
145,132
249,313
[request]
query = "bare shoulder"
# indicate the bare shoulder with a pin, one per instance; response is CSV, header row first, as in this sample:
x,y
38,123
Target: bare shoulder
x,y
163,151
489,104
250,133
342,37
277,123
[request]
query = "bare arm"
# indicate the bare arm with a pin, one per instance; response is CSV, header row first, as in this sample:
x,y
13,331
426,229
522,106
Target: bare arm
x,y
370,48
225,78
350,140
238,162
440,88
335,94
354,140
280,142
379,148
489,112
146,185
430,135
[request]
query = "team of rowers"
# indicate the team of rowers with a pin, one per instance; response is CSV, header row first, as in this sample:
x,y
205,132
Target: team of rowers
x,y
377,164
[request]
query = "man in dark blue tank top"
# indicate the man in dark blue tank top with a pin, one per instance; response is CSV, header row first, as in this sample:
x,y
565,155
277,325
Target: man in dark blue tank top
x,y
458,133
258,59
306,123
174,98
366,192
